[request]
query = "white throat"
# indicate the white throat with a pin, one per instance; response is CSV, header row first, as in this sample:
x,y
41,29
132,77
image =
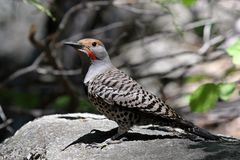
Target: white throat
x,y
97,67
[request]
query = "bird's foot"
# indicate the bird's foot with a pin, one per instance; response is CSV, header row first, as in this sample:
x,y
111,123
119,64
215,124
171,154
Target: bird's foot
x,y
106,143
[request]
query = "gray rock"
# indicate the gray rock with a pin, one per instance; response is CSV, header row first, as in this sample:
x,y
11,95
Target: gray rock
x,y
46,137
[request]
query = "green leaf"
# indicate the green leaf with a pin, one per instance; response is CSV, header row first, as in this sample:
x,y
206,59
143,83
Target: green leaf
x,y
40,7
204,98
62,101
234,51
188,3
226,90
236,59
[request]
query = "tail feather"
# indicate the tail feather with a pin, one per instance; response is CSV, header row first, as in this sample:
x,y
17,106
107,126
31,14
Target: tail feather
x,y
190,127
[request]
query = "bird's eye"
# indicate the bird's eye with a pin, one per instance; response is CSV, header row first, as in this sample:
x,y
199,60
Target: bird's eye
x,y
94,44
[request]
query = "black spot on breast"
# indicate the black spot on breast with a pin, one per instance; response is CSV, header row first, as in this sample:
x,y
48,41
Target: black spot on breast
x,y
138,103
162,104
159,109
119,121
167,110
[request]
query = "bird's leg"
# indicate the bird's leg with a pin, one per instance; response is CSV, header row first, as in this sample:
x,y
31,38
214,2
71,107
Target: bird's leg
x,y
121,131
115,138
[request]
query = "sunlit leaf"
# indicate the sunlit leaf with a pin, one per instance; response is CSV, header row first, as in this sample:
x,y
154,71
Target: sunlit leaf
x,y
226,90
40,7
236,59
234,51
188,2
204,98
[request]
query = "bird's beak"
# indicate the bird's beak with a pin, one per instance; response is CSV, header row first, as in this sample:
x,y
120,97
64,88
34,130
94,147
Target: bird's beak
x,y
74,45
82,48
77,46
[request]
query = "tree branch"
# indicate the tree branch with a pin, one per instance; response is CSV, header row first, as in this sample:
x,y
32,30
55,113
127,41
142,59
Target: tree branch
x,y
57,65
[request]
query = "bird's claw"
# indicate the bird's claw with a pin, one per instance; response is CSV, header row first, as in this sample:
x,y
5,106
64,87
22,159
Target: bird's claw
x,y
115,141
94,145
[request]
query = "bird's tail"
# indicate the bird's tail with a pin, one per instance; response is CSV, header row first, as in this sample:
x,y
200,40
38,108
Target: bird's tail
x,y
190,127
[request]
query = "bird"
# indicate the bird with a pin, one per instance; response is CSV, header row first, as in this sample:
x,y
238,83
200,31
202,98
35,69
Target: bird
x,y
122,99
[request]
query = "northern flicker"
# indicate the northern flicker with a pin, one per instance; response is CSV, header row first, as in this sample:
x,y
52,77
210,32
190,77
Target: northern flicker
x,y
122,99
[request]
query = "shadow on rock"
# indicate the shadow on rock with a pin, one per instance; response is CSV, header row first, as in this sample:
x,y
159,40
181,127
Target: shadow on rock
x,y
71,117
220,150
97,136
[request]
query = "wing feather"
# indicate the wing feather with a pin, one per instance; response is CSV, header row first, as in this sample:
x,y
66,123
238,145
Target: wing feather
x,y
116,88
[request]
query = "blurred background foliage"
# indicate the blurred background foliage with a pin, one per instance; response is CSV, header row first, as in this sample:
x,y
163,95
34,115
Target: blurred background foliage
x,y
185,51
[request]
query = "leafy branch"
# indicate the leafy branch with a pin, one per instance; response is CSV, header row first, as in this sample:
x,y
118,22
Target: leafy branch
x,y
205,96
40,7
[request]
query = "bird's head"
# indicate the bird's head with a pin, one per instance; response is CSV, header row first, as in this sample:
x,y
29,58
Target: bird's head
x,y
94,48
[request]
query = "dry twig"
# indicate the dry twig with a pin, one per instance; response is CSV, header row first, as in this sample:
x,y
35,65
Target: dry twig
x,y
57,65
